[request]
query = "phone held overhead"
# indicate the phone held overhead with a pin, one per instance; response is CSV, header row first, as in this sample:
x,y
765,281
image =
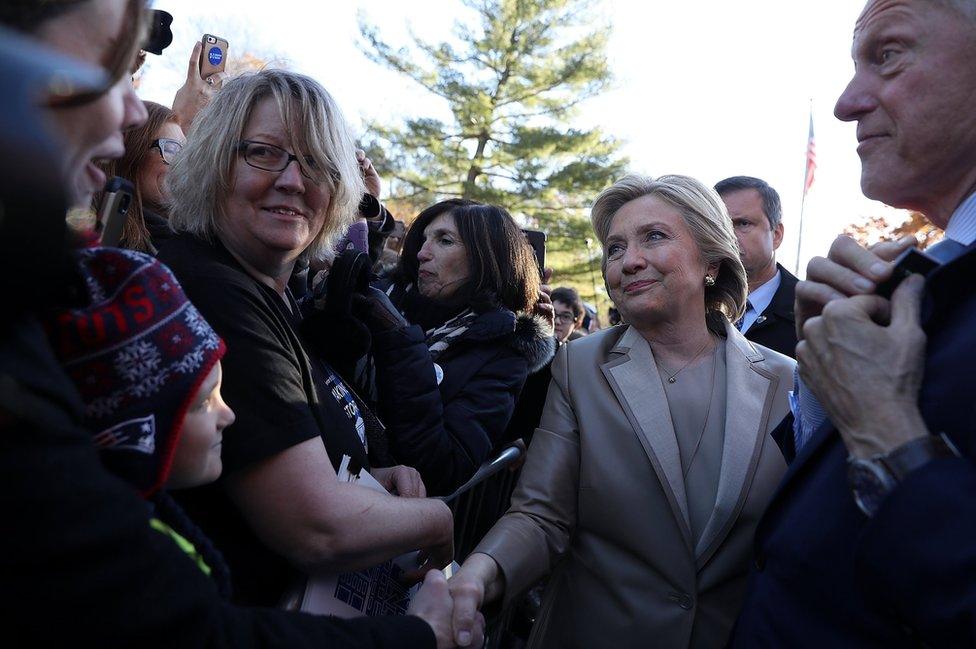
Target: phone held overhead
x,y
214,56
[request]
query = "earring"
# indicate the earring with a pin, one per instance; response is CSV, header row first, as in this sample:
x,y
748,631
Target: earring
x,y
709,280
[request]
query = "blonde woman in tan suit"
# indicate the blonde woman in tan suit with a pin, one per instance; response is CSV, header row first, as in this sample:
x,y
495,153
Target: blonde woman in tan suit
x,y
652,463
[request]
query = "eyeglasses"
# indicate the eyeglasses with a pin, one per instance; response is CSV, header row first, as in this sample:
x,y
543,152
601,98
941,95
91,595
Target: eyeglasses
x,y
565,318
168,148
269,157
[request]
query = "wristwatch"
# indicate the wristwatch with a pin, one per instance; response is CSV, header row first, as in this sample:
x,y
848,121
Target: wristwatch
x,y
872,479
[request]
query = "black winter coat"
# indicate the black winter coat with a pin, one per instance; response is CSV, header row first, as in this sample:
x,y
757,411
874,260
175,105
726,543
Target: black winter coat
x,y
447,431
81,565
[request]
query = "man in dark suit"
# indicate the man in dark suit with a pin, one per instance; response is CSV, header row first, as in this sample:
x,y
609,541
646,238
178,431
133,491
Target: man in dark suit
x,y
757,217
871,539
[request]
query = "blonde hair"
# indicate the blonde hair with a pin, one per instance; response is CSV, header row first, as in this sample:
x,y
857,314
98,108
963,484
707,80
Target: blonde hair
x,y
200,179
706,217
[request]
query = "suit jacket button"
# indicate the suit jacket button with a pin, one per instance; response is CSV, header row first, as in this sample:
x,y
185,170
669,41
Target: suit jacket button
x,y
760,562
686,602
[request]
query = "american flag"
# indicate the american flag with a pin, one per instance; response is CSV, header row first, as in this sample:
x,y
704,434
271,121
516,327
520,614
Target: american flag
x,y
811,159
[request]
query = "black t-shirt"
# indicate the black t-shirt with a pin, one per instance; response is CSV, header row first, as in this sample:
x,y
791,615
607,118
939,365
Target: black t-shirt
x,y
280,395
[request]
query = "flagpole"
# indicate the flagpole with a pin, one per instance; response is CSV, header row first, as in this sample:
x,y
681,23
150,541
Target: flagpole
x,y
807,181
799,234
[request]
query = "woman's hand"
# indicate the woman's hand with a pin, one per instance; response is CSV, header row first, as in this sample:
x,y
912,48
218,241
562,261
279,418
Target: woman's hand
x,y
195,93
544,308
401,480
439,553
474,585
375,310
370,176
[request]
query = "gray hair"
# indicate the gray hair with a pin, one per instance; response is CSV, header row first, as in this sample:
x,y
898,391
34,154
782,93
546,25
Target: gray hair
x,y
201,178
706,217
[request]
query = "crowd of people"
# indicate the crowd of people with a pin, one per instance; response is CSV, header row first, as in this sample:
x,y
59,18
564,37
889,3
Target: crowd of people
x,y
193,419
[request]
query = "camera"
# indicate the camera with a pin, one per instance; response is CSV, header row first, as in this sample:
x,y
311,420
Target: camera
x,y
160,35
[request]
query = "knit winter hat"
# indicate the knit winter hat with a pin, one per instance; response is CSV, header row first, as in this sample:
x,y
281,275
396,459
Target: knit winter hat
x,y
138,354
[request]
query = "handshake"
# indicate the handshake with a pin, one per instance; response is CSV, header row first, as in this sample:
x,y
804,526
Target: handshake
x,y
451,607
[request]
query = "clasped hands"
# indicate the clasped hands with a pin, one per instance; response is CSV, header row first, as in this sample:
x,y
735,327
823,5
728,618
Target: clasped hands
x,y
452,607
861,354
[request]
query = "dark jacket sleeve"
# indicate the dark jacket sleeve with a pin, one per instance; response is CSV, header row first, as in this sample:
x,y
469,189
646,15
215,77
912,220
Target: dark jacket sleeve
x,y
445,441
918,557
81,566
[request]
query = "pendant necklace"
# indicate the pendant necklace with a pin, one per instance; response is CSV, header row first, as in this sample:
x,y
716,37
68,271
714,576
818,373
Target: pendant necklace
x,y
672,377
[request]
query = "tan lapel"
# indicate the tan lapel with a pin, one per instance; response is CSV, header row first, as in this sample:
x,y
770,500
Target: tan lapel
x,y
751,389
633,376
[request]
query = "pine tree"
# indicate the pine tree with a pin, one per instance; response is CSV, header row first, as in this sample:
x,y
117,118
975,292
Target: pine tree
x,y
513,78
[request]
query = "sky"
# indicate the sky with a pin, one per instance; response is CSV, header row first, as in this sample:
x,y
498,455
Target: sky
x,y
706,88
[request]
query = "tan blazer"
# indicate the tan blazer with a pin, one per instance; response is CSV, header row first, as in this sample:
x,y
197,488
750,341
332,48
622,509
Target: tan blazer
x,y
601,500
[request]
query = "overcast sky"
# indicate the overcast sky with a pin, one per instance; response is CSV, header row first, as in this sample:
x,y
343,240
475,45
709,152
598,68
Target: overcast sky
x,y
708,88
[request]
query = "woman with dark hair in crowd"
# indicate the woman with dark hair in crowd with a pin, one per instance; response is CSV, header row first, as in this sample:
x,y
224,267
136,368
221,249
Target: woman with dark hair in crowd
x,y
149,151
269,173
447,385
568,313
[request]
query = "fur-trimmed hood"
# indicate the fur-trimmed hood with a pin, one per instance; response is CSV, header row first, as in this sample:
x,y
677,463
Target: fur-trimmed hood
x,y
526,333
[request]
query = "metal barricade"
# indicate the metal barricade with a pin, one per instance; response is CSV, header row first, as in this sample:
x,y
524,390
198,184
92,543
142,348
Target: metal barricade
x,y
477,505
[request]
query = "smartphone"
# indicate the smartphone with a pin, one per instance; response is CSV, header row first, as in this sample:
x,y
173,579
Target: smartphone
x,y
910,262
537,239
213,59
114,210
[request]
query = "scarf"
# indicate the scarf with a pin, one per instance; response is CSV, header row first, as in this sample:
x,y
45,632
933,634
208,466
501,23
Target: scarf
x,y
440,338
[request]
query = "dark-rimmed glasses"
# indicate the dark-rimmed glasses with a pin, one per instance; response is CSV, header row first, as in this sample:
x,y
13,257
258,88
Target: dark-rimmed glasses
x,y
269,157
168,148
564,317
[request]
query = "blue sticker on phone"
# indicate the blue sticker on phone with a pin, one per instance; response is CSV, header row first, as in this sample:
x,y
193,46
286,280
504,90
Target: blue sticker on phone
x,y
215,56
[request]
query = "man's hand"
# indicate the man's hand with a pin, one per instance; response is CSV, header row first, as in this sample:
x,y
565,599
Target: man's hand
x,y
195,93
863,358
847,270
401,480
433,604
370,176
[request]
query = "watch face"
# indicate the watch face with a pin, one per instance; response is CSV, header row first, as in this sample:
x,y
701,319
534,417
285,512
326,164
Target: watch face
x,y
870,483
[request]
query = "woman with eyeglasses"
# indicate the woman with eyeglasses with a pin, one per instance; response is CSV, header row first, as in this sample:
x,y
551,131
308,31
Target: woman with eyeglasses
x,y
150,149
269,173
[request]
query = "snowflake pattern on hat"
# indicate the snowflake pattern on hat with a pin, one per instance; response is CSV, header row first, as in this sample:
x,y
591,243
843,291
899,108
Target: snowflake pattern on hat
x,y
138,361
138,353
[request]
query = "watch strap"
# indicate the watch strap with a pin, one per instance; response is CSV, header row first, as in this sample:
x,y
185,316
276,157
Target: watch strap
x,y
917,453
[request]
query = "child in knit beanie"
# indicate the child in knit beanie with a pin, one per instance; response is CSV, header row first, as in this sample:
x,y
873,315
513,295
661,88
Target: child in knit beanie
x,y
147,366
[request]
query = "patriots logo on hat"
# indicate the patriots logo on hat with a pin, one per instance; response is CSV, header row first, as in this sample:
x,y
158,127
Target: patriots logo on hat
x,y
132,435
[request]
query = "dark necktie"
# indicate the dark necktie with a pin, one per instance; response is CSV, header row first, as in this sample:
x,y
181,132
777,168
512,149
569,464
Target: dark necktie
x,y
741,321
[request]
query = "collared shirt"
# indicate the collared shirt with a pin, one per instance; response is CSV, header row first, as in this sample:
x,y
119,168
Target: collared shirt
x,y
962,223
759,301
808,413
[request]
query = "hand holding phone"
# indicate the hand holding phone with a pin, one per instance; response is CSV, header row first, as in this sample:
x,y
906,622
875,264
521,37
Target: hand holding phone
x,y
213,59
114,210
